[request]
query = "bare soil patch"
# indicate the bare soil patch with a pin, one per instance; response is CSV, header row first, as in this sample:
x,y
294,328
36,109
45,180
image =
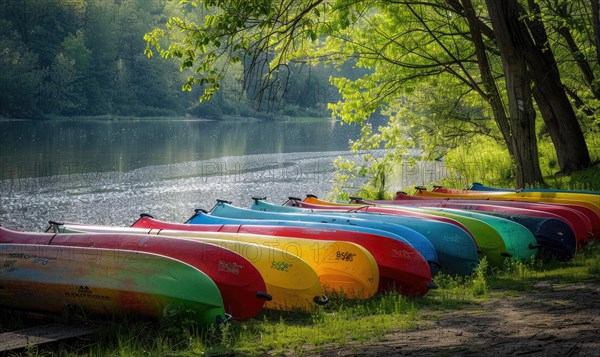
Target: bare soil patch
x,y
550,320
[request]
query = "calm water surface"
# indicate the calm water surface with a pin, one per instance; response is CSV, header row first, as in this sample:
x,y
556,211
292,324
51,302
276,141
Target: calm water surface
x,y
48,148
108,172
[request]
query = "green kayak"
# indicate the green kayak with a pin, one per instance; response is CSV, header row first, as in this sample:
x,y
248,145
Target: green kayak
x,y
520,242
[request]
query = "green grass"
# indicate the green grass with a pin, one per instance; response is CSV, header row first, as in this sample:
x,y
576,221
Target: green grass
x,y
339,323
518,275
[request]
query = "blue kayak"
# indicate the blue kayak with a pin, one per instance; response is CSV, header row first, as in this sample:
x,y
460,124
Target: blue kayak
x,y
417,240
202,217
456,250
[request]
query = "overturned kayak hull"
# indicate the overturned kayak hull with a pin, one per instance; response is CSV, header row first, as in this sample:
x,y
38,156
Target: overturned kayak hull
x,y
578,220
554,234
578,201
98,281
456,250
488,240
291,282
417,240
476,186
241,286
520,242
400,266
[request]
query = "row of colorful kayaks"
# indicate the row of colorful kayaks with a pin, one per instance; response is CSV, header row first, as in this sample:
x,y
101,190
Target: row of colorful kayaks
x,y
232,262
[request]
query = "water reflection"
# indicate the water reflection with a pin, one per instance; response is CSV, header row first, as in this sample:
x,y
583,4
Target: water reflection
x,y
47,148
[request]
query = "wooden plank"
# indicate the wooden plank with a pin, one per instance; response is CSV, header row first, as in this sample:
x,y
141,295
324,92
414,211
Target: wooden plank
x,y
43,334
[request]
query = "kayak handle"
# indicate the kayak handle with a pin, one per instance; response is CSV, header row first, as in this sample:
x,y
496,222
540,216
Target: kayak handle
x,y
401,193
257,198
505,254
311,195
294,198
321,300
145,215
431,285
420,188
53,228
436,263
196,210
531,246
264,295
438,186
355,198
227,318
224,201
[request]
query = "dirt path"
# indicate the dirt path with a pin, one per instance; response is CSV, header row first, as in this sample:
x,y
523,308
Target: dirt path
x,y
552,320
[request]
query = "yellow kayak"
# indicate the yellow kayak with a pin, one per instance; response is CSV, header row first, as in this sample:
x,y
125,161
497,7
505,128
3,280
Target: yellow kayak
x,y
292,283
575,196
342,267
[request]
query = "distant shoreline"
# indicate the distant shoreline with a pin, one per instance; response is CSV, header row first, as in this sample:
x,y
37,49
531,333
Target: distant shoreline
x,y
226,118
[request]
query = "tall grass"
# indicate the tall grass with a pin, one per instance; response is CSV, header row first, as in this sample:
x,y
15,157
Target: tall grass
x,y
456,290
484,160
480,160
521,275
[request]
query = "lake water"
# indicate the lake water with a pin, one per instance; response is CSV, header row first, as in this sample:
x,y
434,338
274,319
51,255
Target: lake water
x,y
49,148
108,172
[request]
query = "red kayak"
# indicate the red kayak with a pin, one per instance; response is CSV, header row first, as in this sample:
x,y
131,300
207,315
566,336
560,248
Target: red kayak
x,y
584,221
241,285
590,208
401,267
577,225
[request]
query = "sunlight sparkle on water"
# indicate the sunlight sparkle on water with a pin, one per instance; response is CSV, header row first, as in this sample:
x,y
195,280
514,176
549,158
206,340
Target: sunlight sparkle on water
x,y
168,192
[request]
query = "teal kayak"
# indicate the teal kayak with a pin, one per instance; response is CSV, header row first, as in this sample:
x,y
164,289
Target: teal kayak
x,y
488,239
520,242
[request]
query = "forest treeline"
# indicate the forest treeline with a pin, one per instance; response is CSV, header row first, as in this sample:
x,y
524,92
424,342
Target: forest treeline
x,y
86,58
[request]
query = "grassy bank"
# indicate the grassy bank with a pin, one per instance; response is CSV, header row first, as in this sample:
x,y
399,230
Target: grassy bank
x,y
337,324
484,160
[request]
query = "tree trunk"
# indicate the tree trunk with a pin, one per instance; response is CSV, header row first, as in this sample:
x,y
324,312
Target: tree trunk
x,y
579,104
492,93
550,95
582,63
504,18
596,23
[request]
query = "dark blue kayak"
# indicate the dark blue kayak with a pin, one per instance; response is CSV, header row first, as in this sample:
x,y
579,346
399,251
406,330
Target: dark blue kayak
x,y
555,238
225,210
455,248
